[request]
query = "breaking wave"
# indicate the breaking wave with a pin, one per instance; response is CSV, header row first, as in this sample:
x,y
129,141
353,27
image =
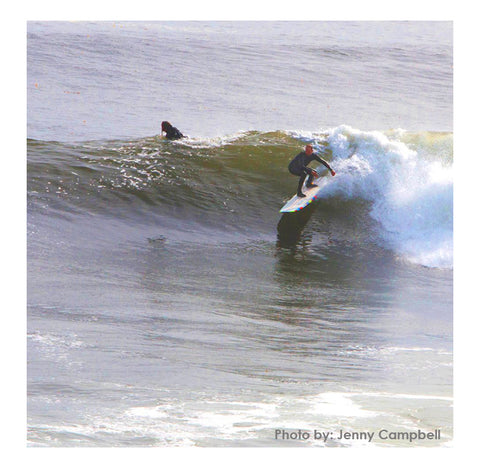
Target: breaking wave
x,y
239,182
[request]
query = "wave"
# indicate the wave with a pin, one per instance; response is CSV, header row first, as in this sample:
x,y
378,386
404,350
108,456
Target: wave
x,y
409,181
401,181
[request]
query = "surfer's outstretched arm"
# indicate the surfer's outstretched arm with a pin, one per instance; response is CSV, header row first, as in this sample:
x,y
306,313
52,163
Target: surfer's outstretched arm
x,y
320,160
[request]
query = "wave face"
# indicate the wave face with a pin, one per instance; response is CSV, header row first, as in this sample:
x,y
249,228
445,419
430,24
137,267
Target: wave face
x,y
401,181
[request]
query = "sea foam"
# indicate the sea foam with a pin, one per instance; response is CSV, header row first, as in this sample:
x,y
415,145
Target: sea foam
x,y
410,190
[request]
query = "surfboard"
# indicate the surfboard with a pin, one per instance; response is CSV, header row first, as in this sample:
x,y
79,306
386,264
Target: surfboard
x,y
311,194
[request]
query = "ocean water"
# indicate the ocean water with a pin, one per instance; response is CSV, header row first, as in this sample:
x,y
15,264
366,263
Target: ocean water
x,y
169,302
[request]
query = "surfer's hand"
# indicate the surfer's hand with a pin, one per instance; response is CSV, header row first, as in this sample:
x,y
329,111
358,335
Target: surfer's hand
x,y
332,172
314,173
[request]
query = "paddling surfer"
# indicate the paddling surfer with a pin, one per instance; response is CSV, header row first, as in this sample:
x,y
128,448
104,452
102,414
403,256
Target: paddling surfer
x,y
172,133
298,167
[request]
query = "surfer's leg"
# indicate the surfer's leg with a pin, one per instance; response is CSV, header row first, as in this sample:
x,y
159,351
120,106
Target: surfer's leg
x,y
300,184
310,180
310,183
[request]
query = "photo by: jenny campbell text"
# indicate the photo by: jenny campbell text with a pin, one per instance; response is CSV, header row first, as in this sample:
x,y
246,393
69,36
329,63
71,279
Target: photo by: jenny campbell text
x,y
382,434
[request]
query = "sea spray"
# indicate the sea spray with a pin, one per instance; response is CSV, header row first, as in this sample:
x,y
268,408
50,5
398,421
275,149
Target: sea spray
x,y
411,195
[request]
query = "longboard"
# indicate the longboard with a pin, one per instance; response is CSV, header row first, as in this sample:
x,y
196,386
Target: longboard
x,y
311,194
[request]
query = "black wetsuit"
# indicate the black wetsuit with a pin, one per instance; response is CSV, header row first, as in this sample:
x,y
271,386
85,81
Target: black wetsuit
x,y
173,133
298,167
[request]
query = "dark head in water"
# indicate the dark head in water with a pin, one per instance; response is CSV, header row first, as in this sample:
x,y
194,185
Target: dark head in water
x,y
172,133
166,126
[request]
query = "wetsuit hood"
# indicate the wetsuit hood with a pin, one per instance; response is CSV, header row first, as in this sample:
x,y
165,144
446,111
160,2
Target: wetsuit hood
x,y
166,126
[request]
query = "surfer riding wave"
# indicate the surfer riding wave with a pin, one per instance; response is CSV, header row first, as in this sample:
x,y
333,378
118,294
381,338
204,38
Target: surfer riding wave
x,y
298,167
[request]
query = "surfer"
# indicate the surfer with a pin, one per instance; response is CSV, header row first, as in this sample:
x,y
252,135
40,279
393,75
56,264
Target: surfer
x,y
172,133
298,166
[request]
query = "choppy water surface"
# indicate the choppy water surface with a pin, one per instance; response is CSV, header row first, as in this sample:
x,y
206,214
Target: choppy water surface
x,y
169,302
